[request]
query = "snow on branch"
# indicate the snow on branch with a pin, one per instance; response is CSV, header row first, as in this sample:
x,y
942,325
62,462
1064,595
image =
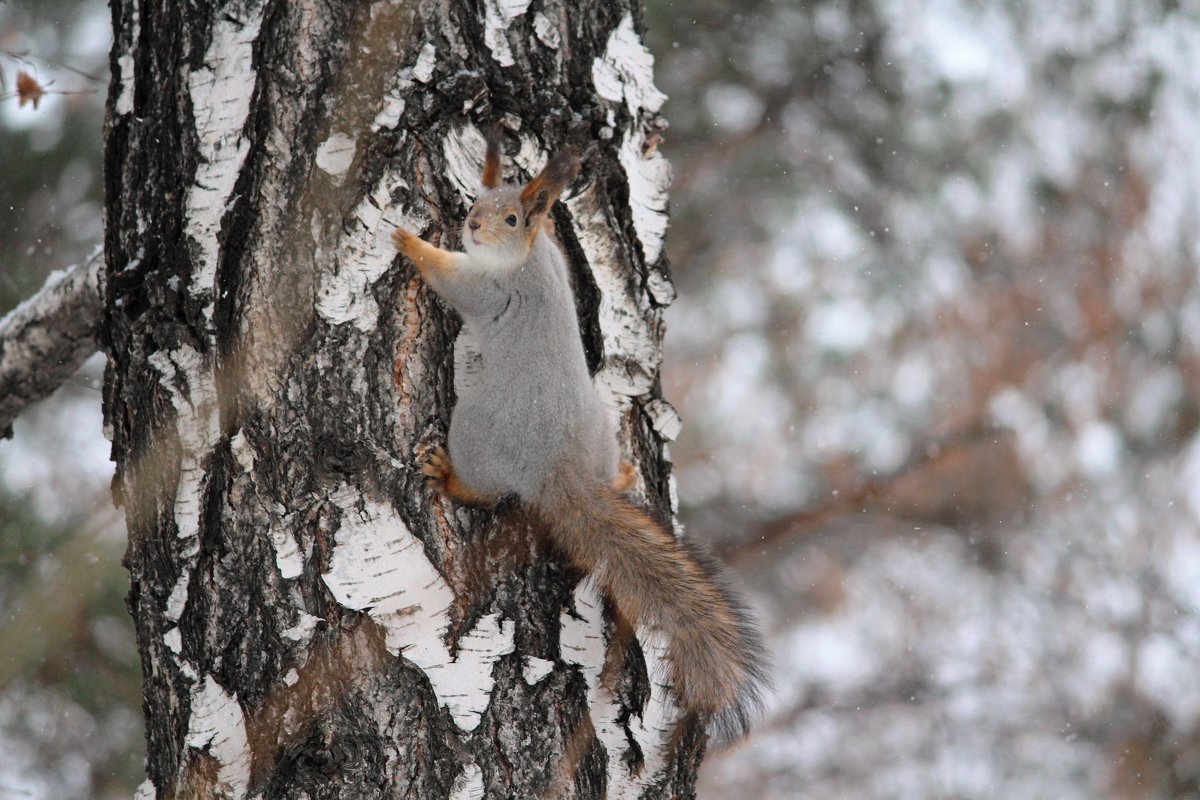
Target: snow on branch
x,y
47,337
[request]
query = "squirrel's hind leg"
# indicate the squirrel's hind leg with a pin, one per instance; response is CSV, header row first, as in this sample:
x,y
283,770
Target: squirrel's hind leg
x,y
441,477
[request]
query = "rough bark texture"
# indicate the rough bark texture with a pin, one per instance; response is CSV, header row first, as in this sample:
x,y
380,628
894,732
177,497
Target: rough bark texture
x,y
46,338
311,621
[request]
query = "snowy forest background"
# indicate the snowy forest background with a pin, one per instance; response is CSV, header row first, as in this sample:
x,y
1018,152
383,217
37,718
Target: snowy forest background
x,y
936,350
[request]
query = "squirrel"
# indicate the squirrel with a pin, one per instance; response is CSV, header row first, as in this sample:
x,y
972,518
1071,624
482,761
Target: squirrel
x,y
533,425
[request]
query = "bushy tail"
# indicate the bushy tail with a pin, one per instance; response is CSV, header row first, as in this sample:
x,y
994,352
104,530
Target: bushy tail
x,y
715,653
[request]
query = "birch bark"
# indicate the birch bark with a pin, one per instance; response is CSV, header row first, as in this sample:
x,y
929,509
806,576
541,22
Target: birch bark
x,y
311,621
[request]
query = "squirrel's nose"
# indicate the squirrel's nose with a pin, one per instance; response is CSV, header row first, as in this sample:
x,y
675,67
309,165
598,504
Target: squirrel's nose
x,y
473,224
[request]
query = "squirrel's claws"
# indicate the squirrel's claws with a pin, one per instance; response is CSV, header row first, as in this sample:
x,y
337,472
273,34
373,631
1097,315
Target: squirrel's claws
x,y
436,468
437,459
441,478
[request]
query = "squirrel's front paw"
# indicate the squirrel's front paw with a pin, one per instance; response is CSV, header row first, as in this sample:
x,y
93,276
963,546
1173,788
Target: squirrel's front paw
x,y
403,239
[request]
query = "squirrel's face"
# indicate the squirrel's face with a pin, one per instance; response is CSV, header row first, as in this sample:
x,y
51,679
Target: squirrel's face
x,y
501,226
496,231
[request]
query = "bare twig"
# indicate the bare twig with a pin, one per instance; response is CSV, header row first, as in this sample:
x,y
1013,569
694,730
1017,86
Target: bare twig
x,y
11,95
852,499
45,339
27,57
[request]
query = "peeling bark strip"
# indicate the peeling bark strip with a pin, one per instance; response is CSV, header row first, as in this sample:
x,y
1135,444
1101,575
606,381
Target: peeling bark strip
x,y
311,621
47,337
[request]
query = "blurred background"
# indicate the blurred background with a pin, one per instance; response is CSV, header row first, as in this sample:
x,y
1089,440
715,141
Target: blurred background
x,y
936,349
70,682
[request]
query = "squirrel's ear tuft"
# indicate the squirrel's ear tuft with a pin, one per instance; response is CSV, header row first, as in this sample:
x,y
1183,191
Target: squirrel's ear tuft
x,y
491,162
541,192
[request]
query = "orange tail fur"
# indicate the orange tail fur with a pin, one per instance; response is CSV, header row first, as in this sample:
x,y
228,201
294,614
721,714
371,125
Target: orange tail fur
x,y
715,655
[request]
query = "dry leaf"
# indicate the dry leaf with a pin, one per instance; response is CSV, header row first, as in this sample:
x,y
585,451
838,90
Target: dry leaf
x,y
28,89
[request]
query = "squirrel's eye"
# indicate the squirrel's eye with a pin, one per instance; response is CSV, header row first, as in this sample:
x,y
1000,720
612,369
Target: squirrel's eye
x,y
511,219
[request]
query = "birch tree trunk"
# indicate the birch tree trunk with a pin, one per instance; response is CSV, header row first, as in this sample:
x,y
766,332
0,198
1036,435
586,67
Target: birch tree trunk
x,y
312,622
